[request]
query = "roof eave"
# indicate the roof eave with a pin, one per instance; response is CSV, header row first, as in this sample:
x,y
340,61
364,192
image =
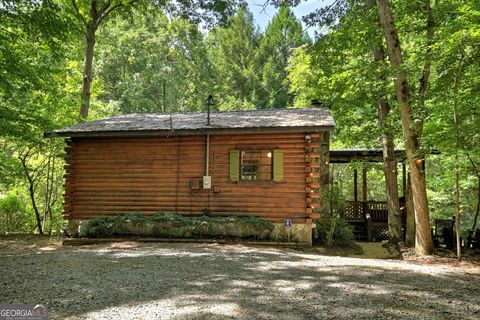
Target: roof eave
x,y
137,133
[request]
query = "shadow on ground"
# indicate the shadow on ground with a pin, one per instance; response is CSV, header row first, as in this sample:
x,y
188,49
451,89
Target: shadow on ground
x,y
169,281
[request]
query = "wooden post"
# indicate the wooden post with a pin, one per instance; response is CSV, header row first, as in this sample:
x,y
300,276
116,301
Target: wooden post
x,y
364,204
324,171
355,185
355,192
364,184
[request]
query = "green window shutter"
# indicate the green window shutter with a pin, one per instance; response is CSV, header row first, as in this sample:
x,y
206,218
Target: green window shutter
x,y
234,164
277,165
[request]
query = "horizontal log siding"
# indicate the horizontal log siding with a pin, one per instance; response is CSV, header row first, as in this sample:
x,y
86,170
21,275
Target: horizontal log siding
x,y
117,175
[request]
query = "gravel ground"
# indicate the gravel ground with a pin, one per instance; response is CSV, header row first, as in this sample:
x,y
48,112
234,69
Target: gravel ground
x,y
208,281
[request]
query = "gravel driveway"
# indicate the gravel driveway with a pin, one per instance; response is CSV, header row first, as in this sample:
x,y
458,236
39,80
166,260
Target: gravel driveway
x,y
208,281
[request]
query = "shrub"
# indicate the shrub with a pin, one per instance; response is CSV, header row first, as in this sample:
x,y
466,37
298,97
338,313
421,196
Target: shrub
x,y
13,215
174,225
334,230
171,225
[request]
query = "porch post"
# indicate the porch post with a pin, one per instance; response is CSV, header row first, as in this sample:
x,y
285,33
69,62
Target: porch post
x,y
364,203
355,185
324,170
364,184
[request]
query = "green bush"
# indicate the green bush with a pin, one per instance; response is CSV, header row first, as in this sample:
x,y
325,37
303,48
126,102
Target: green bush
x,y
334,230
171,225
125,224
13,215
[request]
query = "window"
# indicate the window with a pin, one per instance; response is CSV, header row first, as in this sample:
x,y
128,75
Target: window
x,y
256,165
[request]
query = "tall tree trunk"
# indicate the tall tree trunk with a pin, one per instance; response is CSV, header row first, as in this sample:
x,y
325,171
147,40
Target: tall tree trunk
x,y
477,173
91,22
457,165
389,163
423,83
410,225
457,204
31,191
87,70
423,240
477,212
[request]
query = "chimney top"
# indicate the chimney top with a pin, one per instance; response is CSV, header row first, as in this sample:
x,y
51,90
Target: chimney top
x,y
316,104
209,104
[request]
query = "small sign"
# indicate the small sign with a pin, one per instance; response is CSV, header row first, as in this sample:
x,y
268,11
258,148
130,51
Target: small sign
x,y
288,223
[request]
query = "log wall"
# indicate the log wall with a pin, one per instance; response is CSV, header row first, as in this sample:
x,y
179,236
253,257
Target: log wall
x,y
107,176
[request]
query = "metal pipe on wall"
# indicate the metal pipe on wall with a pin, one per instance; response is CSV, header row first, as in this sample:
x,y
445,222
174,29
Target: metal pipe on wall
x,y
207,154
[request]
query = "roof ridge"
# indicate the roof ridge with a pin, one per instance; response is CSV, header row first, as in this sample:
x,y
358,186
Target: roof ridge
x,y
235,120
215,112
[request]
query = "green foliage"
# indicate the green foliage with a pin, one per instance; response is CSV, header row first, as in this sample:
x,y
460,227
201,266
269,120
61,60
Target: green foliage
x,y
172,225
141,51
126,224
232,50
148,63
331,229
283,34
13,215
339,70
334,230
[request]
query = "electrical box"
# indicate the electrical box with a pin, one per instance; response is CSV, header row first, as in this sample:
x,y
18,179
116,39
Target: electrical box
x,y
207,182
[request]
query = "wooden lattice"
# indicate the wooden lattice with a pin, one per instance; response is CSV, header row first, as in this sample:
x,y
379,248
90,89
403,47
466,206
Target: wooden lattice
x,y
379,233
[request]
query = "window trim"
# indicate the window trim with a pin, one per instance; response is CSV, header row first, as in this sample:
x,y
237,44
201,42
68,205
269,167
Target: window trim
x,y
244,148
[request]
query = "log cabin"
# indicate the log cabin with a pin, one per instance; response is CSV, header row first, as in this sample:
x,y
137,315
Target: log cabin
x,y
272,164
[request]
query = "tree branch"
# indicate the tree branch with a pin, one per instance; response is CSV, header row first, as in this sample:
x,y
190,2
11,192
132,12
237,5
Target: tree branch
x,y
106,9
78,14
426,69
474,165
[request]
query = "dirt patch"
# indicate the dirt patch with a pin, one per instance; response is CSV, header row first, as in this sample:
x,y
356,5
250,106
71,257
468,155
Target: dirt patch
x,y
28,243
130,280
469,262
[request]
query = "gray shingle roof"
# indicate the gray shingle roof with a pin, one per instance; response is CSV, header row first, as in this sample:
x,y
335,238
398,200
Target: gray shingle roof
x,y
196,122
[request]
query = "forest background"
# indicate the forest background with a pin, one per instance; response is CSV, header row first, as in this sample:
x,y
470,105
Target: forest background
x,y
164,56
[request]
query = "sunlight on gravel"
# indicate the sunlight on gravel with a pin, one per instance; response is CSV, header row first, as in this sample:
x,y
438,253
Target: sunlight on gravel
x,y
210,281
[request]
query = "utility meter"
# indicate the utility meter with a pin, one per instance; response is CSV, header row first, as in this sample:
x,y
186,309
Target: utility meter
x,y
207,182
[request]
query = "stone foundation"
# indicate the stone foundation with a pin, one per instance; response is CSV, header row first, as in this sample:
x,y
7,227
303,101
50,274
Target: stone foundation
x,y
299,233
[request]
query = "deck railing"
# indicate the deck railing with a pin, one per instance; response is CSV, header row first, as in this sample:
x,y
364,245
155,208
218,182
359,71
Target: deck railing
x,y
361,210
369,218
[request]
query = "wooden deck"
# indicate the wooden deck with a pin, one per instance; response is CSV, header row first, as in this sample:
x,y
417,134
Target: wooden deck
x,y
369,219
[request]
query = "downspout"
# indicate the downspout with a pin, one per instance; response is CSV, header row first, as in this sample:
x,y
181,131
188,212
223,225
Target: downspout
x,y
207,154
207,180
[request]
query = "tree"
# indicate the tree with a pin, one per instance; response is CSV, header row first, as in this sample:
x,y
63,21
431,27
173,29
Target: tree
x,y
91,15
147,63
389,161
411,131
32,56
232,52
283,34
345,80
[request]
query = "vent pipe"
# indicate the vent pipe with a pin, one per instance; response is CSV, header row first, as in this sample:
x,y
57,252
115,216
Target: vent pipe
x,y
209,104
